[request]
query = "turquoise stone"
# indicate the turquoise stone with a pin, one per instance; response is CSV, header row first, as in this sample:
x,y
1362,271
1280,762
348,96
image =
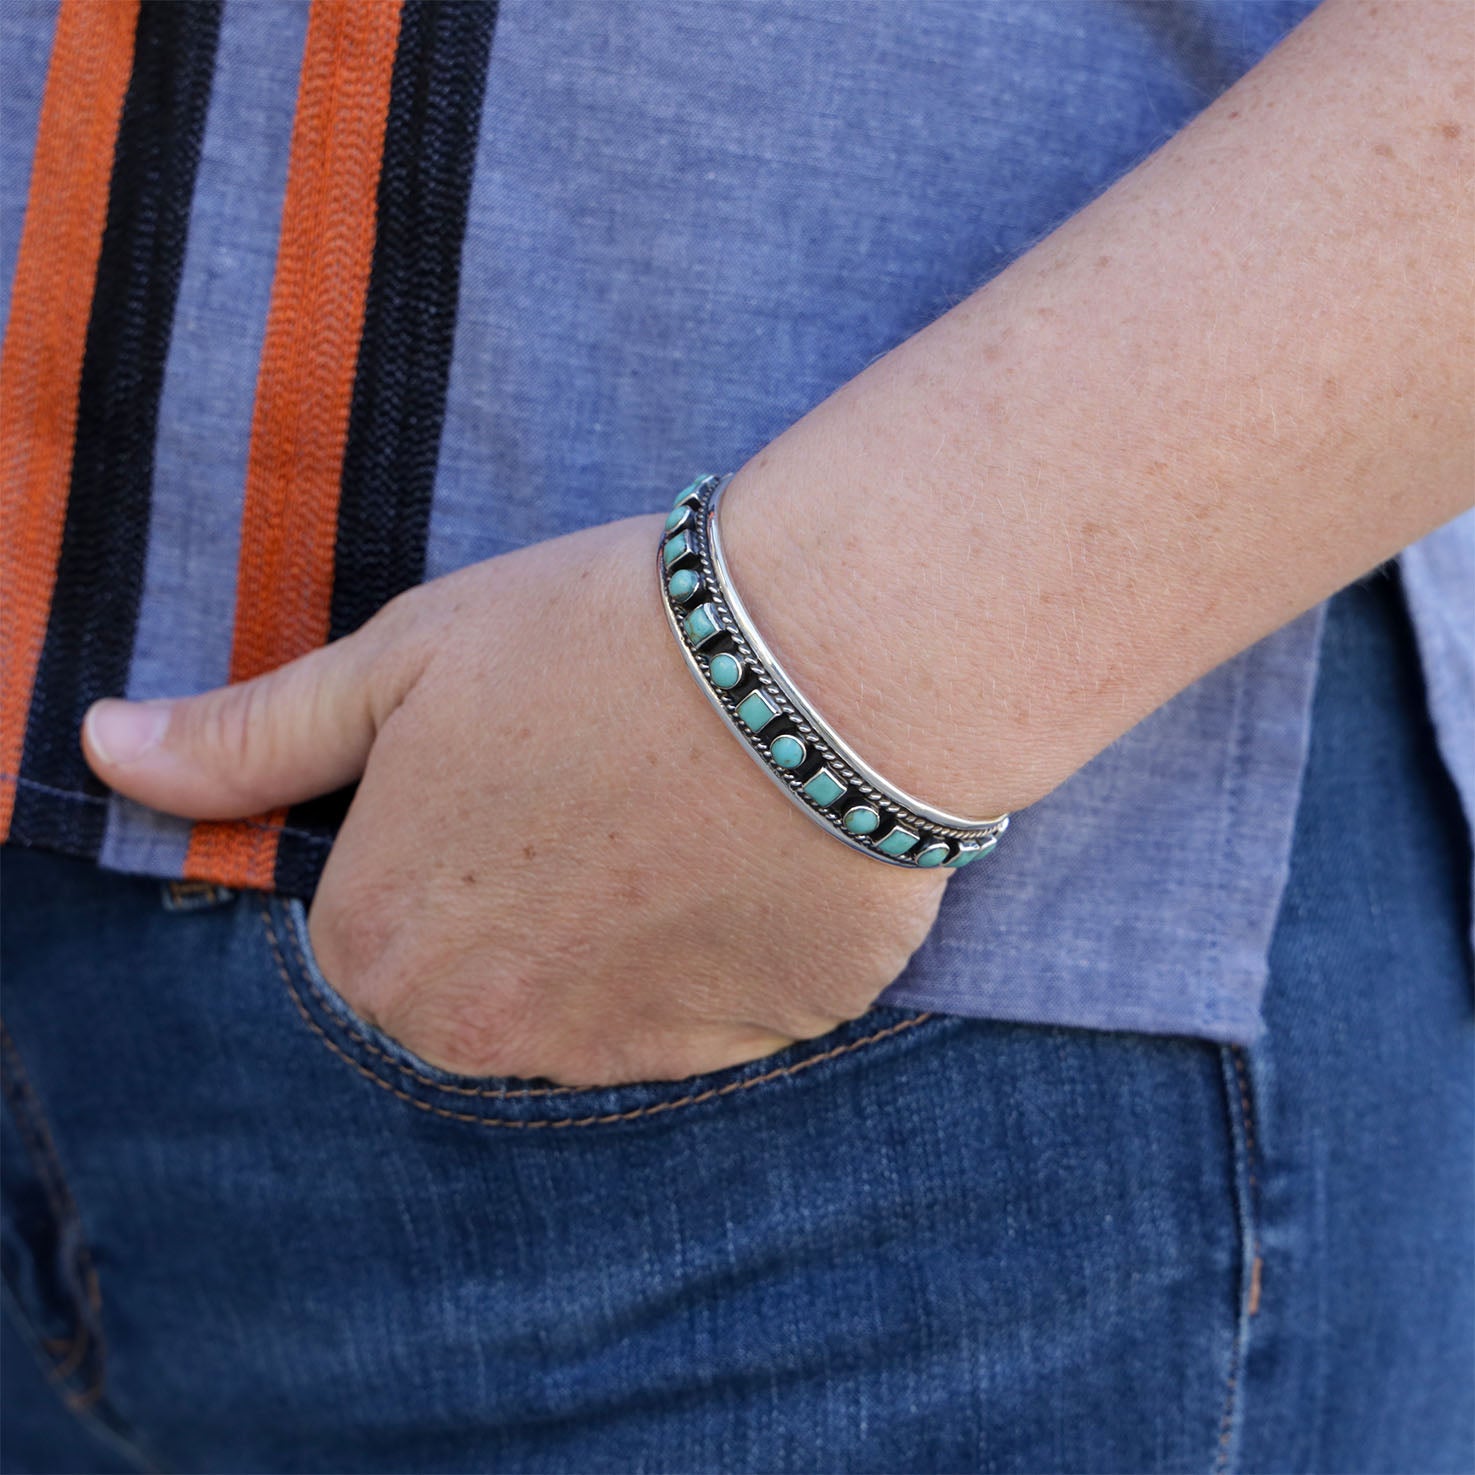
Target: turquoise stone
x,y
702,624
788,752
897,841
824,788
932,855
687,493
861,819
683,584
971,852
676,548
678,517
725,670
756,710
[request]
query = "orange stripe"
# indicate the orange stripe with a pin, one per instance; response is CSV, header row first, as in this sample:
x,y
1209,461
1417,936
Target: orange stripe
x,y
284,583
41,363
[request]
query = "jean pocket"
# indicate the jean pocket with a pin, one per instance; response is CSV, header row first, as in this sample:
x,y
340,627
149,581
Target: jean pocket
x,y
530,1105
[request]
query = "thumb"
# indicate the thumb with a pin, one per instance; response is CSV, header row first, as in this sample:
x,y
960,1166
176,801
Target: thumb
x,y
299,731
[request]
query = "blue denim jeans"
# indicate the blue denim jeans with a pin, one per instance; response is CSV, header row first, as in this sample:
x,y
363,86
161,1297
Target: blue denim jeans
x,y
243,1231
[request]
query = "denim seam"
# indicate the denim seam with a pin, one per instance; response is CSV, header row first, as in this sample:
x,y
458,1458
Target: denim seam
x,y
1246,1188
88,1418
63,1206
1247,1109
556,1123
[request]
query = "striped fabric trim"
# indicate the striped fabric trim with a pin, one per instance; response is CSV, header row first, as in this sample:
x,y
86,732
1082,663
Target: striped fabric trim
x,y
350,390
399,395
186,612
404,362
89,406
304,386
41,365
27,43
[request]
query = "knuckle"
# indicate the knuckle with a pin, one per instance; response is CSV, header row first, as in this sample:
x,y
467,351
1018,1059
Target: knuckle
x,y
353,924
400,616
394,656
470,1029
231,734
326,939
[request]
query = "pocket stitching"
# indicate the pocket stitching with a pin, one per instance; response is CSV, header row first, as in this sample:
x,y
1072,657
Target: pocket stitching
x,y
603,1119
1242,1122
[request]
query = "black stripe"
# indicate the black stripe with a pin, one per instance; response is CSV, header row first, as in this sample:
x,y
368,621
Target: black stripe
x,y
99,579
404,362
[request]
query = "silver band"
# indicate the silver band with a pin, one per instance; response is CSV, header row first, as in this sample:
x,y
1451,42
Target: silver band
x,y
813,765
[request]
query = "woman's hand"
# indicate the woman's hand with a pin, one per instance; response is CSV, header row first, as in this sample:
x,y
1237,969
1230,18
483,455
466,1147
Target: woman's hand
x,y
559,862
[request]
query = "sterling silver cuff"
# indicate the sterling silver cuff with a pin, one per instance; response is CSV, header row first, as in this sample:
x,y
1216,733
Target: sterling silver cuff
x,y
793,744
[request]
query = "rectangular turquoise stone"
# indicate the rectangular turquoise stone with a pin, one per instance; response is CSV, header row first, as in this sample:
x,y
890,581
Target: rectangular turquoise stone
x,y
824,788
756,710
688,494
676,548
897,842
702,624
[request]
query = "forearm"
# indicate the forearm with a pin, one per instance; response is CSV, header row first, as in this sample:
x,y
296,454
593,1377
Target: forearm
x,y
1230,385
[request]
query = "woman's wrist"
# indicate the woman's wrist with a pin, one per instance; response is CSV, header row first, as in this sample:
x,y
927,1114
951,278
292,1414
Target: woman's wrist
x,y
880,638
1122,461
715,788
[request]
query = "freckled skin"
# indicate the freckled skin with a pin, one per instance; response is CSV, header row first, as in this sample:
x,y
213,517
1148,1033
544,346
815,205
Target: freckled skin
x,y
1242,374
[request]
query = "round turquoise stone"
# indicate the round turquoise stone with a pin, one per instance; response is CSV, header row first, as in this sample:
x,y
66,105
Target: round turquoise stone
x,y
684,583
861,819
932,855
726,671
677,517
788,752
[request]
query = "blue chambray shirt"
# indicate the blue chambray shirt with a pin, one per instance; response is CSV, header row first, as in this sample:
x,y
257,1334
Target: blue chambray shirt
x,y
689,222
